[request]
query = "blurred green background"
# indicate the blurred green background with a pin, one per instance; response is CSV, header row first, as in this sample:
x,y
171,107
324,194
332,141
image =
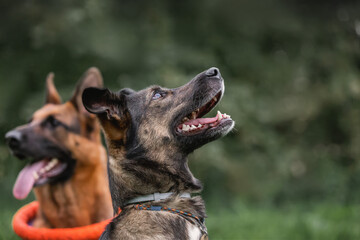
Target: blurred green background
x,y
291,167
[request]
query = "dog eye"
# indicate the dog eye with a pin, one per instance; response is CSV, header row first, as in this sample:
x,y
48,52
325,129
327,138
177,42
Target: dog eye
x,y
158,95
53,122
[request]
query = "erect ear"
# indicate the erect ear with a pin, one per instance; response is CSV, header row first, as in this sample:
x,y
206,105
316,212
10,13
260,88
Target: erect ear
x,y
100,101
111,109
52,95
91,78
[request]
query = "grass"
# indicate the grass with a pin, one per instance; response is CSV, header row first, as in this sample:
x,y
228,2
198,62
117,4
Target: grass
x,y
245,222
316,222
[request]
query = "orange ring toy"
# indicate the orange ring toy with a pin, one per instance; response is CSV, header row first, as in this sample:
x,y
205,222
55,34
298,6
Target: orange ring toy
x,y
28,212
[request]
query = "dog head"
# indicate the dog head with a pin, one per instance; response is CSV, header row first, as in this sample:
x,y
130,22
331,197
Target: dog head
x,y
156,128
48,140
162,119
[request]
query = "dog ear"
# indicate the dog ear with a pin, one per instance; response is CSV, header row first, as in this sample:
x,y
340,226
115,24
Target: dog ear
x,y
100,101
111,110
52,95
91,78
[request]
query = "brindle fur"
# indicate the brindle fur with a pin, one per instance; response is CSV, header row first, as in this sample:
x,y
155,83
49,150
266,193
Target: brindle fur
x,y
147,155
81,196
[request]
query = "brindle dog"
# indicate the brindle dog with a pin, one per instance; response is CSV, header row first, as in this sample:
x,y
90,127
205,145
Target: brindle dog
x,y
67,165
149,135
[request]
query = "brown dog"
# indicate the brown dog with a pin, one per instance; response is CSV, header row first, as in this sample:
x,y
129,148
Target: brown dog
x,y
67,166
149,134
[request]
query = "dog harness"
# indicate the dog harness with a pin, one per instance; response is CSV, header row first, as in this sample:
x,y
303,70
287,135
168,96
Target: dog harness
x,y
200,222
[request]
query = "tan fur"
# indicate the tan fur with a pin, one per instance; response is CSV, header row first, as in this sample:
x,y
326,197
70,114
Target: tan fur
x,y
84,198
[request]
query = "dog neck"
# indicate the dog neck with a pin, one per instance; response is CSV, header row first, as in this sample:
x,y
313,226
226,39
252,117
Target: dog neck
x,y
66,204
130,177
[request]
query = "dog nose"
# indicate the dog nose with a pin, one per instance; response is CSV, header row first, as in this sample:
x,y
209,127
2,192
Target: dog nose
x,y
13,139
213,72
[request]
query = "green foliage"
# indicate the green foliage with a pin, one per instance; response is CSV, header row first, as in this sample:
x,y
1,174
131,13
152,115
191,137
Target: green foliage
x,y
311,222
291,71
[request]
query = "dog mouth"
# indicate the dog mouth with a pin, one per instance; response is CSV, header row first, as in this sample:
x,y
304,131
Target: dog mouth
x,y
193,123
36,174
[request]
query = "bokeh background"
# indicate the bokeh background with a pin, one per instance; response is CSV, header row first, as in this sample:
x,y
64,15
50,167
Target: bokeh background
x,y
289,170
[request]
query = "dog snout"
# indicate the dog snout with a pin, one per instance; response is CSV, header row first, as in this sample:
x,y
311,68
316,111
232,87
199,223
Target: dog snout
x,y
213,72
13,139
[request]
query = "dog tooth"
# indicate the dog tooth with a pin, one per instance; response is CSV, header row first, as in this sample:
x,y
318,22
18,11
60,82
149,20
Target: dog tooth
x,y
49,166
193,127
183,127
185,119
35,175
219,115
215,99
199,125
42,171
193,115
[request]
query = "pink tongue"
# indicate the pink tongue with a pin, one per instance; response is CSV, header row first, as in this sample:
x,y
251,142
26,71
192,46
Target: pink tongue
x,y
25,180
202,121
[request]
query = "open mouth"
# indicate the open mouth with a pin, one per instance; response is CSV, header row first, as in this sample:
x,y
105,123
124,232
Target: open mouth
x,y
194,123
36,174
